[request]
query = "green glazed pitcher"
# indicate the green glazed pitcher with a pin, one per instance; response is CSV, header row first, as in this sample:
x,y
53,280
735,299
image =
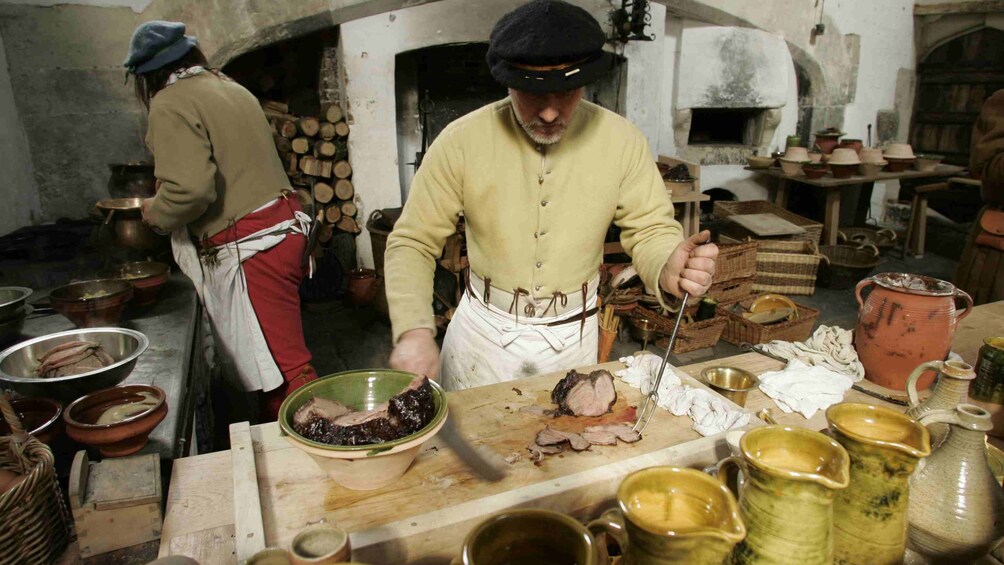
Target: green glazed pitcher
x,y
672,516
790,477
870,516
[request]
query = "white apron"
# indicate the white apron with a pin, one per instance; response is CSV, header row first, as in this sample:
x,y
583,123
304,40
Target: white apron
x,y
223,291
485,345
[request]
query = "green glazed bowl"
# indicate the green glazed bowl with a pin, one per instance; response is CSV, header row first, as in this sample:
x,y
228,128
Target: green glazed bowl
x,y
359,390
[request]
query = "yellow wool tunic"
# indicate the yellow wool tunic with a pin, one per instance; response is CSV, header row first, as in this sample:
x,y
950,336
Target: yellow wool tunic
x,y
536,215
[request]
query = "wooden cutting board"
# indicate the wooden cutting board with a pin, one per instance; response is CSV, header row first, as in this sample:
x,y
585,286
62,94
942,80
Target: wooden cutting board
x,y
766,225
427,513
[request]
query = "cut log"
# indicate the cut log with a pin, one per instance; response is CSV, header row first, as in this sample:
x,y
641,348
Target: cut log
x,y
332,214
324,149
310,165
309,126
282,144
326,232
301,145
348,209
347,224
275,106
326,167
341,129
323,192
327,131
333,113
304,197
344,189
286,128
343,169
294,160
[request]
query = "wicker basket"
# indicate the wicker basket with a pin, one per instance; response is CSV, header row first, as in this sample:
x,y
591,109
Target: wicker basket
x,y
735,261
784,267
844,265
723,209
739,330
883,238
34,523
725,291
692,336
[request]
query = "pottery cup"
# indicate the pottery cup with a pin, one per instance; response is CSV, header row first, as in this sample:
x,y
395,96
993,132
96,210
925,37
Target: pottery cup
x,y
529,537
270,556
870,516
320,544
670,515
789,479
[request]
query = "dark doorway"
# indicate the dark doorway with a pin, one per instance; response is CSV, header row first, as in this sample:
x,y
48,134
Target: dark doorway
x,y
722,126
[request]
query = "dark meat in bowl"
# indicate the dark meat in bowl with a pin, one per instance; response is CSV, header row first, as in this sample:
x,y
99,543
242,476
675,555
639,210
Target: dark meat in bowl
x,y
585,395
72,358
407,412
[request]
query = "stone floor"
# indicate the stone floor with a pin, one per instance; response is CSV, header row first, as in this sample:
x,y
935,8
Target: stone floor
x,y
343,338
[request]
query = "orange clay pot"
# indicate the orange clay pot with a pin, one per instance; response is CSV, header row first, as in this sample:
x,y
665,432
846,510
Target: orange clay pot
x,y
906,320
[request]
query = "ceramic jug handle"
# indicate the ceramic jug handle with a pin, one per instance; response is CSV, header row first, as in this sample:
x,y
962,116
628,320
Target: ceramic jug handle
x,y
969,304
861,285
940,417
911,382
611,523
728,472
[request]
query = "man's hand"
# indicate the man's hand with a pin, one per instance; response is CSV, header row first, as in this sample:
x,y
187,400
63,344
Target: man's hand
x,y
690,267
145,206
416,352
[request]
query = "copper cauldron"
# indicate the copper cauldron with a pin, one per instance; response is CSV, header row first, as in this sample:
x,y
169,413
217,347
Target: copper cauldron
x,y
126,217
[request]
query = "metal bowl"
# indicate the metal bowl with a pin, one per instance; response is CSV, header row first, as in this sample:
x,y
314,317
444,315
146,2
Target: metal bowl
x,y
11,300
730,382
18,363
126,217
90,304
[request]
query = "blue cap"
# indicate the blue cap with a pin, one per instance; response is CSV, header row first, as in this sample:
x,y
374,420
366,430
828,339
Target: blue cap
x,y
155,44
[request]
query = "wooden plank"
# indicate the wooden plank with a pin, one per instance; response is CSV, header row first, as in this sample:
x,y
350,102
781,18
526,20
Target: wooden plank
x,y
766,225
215,545
985,320
941,171
248,530
200,497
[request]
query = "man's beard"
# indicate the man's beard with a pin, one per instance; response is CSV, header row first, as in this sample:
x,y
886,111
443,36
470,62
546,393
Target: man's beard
x,y
553,133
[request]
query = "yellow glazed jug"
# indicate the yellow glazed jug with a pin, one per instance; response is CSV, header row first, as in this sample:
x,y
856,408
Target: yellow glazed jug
x,y
790,477
870,516
672,516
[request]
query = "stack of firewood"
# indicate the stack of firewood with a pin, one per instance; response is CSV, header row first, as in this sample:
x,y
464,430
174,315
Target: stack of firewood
x,y
315,151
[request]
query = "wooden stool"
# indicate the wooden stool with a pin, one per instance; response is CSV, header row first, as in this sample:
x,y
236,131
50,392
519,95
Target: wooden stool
x,y
913,243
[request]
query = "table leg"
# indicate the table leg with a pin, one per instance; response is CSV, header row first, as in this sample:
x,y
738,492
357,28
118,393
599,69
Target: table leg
x,y
831,216
781,198
921,227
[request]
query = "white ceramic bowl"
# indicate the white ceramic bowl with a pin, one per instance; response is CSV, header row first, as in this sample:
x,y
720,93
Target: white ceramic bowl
x,y
870,155
796,154
792,168
899,151
873,168
844,156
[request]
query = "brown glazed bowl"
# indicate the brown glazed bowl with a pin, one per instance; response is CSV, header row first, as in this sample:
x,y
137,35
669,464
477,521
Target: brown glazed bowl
x,y
92,304
40,417
146,278
899,164
119,438
814,171
844,171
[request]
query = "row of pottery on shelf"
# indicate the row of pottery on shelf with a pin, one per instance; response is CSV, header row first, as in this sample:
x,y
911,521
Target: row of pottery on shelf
x,y
804,498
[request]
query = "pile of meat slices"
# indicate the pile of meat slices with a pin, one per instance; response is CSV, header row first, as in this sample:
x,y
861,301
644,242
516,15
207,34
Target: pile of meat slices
x,y
72,358
407,412
582,395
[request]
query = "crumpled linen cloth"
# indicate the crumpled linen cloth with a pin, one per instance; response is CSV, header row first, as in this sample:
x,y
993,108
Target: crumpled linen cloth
x,y
805,389
711,414
830,347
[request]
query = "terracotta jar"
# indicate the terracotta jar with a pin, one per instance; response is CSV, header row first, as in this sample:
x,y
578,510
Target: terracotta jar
x,y
870,515
854,144
906,320
957,508
363,286
827,142
790,478
951,389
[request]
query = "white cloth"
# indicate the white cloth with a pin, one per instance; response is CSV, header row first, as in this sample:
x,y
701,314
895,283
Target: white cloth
x,y
830,347
711,414
804,389
485,345
223,291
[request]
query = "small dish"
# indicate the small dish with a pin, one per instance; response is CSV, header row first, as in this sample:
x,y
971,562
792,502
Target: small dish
x,y
766,302
730,382
320,544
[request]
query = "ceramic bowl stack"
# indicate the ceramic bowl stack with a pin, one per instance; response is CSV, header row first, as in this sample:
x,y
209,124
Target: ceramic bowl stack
x,y
928,162
900,156
844,162
793,159
872,162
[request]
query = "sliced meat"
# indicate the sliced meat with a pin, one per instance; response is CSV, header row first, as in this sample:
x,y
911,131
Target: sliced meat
x,y
319,408
622,431
599,437
550,436
72,358
544,449
64,346
585,395
413,408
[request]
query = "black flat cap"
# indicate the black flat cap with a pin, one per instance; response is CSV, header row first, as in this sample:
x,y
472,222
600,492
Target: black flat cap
x,y
547,46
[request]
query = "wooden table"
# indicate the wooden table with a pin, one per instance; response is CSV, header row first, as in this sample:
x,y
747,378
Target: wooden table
x,y
831,213
425,515
986,320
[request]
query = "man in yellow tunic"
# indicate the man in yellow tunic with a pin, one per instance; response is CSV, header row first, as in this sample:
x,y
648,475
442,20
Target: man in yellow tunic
x,y
539,177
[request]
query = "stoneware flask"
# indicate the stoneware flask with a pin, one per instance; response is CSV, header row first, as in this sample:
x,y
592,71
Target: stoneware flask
x,y
906,320
790,478
672,516
870,515
956,506
950,390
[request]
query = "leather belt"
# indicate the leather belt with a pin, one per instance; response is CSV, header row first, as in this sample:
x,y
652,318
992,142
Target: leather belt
x,y
520,302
